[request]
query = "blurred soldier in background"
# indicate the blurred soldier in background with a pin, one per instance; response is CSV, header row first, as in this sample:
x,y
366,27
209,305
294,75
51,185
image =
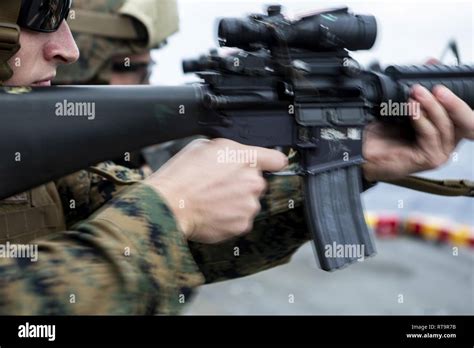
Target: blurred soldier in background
x,y
115,38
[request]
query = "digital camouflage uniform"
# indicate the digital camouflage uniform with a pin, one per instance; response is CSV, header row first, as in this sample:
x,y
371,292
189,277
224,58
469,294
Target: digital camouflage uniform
x,y
122,252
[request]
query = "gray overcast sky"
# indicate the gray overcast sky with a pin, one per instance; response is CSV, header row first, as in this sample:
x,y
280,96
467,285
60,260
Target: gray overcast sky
x,y
409,31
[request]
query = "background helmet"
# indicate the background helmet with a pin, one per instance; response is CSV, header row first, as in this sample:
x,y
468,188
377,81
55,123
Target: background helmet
x,y
104,29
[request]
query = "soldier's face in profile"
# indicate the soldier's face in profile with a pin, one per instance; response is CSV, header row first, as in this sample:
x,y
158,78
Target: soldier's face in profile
x,y
36,62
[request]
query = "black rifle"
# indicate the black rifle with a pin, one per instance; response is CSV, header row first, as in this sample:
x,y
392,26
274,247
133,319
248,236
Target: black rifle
x,y
290,84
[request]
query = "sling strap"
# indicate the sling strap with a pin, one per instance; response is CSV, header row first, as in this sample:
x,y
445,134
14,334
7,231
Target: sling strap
x,y
438,187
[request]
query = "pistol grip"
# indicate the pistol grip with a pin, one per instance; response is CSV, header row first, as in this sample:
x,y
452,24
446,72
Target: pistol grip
x,y
335,216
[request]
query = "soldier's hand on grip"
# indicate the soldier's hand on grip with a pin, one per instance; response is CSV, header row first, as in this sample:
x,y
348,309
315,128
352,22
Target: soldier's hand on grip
x,y
213,187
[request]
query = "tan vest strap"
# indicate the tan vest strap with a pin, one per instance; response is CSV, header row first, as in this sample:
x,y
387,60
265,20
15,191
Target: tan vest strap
x,y
438,187
110,176
10,11
9,36
103,24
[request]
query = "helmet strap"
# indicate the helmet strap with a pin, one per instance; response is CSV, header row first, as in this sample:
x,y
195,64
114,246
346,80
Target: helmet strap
x,y
9,35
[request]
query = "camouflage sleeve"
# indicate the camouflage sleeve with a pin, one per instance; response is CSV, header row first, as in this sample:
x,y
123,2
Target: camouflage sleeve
x,y
127,258
84,192
279,230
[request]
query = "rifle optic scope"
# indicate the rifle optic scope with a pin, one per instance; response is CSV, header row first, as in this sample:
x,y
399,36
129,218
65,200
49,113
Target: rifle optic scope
x,y
324,31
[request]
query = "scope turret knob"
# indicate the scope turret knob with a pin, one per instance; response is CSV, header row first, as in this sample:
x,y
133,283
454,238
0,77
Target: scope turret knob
x,y
351,68
274,10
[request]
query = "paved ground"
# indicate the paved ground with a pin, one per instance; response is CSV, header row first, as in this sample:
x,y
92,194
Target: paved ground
x,y
430,278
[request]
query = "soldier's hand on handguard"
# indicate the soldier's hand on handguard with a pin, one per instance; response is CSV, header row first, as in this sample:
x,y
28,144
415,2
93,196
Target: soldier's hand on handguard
x,y
440,123
213,187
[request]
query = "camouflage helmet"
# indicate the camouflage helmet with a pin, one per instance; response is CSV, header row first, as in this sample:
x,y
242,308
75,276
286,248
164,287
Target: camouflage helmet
x,y
104,29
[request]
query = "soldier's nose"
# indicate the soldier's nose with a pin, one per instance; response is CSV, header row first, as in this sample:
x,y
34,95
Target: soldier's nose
x,y
61,46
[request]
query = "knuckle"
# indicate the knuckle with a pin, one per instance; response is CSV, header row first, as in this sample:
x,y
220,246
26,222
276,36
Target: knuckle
x,y
447,128
246,227
255,183
431,162
239,228
250,208
432,133
423,161
259,184
255,207
430,165
449,135
435,160
440,159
